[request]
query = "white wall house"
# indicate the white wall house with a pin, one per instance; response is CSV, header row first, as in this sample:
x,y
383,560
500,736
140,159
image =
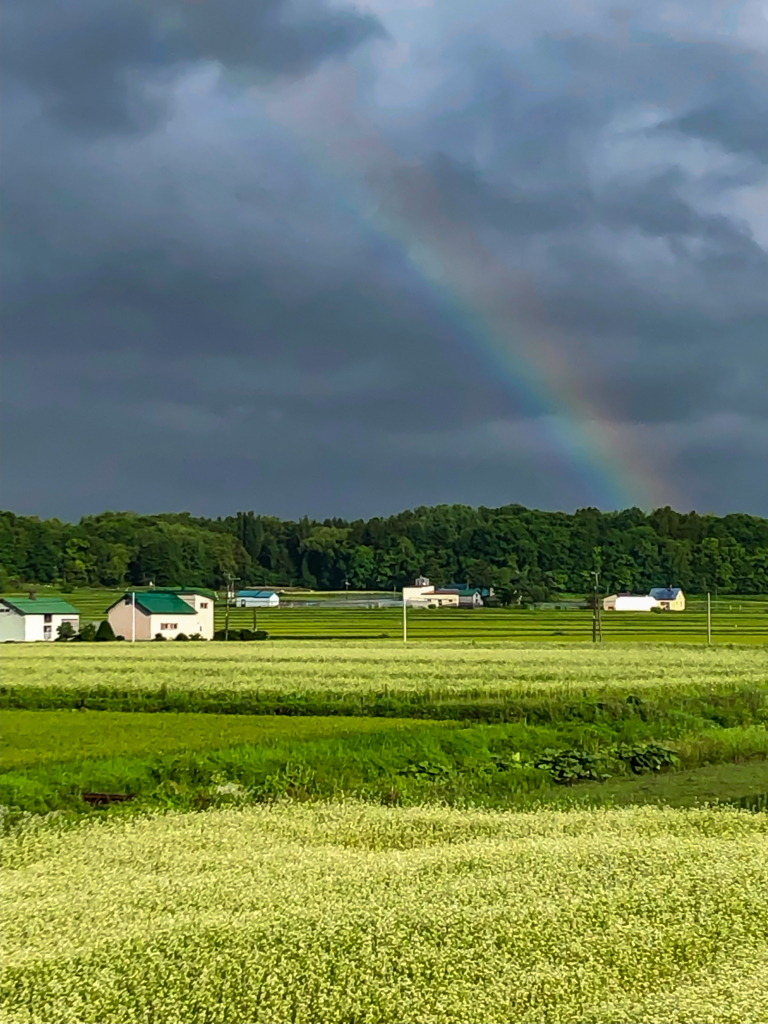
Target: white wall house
x,y
162,611
670,599
29,618
257,599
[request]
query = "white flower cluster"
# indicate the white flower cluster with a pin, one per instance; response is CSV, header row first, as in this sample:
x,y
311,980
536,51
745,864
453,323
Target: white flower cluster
x,y
352,913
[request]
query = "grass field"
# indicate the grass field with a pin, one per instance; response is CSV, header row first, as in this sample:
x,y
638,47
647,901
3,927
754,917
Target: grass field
x,y
349,913
740,619
50,758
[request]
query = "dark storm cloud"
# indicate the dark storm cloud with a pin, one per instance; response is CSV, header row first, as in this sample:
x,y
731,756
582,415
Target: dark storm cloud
x,y
202,313
89,61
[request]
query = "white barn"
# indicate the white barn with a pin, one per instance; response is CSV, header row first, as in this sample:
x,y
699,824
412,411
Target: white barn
x,y
629,603
257,599
30,618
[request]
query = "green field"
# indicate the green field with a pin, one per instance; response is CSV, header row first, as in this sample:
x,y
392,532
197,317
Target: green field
x,y
742,620
748,625
338,831
50,758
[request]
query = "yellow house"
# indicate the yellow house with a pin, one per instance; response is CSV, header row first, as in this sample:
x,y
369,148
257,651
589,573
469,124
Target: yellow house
x,y
670,599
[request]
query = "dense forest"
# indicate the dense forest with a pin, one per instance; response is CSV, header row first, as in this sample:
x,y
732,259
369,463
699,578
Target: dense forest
x,y
514,549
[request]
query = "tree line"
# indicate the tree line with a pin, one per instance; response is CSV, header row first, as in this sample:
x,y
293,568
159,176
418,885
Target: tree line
x,y
521,552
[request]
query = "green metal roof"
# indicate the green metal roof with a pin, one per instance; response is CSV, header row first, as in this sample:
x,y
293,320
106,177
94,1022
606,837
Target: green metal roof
x,y
41,605
202,591
162,603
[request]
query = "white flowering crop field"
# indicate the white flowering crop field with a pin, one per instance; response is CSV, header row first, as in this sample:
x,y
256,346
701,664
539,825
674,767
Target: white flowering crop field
x,y
354,913
451,670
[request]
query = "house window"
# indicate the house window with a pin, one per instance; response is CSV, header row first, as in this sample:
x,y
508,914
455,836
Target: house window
x,y
47,632
47,618
169,625
203,604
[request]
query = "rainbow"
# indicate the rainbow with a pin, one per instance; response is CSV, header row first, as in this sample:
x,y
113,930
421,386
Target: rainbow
x,y
493,304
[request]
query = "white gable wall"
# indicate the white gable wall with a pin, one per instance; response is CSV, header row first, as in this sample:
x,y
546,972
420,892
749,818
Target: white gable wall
x,y
11,624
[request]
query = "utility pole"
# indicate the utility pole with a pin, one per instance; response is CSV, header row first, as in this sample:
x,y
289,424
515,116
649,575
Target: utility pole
x,y
597,625
709,621
230,590
405,620
133,616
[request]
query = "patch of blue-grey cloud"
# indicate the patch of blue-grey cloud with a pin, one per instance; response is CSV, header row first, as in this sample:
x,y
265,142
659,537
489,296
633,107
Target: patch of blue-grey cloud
x,y
174,259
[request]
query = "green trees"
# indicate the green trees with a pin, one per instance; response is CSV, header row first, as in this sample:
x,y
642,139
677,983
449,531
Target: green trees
x,y
521,552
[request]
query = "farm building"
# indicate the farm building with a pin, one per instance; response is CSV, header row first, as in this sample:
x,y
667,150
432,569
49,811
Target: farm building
x,y
671,599
257,599
470,597
629,603
164,612
30,618
423,594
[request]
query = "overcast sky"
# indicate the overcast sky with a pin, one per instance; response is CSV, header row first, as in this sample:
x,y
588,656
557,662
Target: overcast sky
x,y
305,257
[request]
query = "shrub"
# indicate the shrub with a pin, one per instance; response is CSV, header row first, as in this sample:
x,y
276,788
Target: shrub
x,y
87,633
158,636
238,634
181,636
105,631
65,631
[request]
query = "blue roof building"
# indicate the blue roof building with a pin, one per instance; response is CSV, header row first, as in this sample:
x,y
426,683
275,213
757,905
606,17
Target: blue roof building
x,y
257,599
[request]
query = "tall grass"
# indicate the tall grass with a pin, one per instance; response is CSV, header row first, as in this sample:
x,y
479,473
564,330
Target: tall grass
x,y
193,761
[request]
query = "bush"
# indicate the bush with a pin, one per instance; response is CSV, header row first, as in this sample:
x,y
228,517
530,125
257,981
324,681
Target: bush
x,y
234,634
181,636
105,631
158,636
197,636
87,633
66,631
241,634
119,637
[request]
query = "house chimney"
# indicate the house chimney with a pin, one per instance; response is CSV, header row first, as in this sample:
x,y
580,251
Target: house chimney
x,y
33,595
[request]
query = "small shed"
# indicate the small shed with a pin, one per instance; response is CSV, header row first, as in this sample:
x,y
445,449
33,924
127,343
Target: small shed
x,y
257,599
30,618
670,599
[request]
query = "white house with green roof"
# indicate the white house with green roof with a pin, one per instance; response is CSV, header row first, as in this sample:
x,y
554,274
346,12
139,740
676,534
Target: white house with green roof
x,y
142,615
35,618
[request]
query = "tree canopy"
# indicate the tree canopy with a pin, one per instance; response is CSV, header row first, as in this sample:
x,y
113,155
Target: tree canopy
x,y
511,548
